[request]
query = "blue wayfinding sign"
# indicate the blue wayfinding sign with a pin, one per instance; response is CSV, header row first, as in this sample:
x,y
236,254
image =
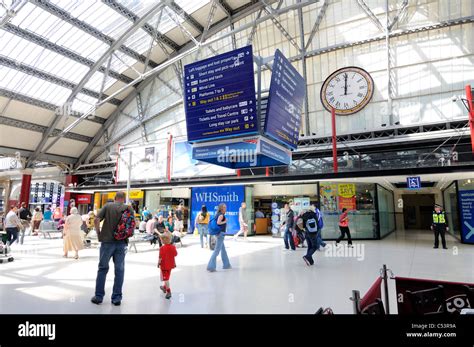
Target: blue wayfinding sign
x,y
243,152
466,207
220,96
232,196
413,182
285,102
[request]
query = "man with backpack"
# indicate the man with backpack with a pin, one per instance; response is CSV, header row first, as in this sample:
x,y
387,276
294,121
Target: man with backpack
x,y
313,223
119,224
319,219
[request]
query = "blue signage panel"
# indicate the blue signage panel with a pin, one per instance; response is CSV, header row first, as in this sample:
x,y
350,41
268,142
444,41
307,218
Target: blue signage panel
x,y
466,206
240,153
285,102
232,196
220,96
269,150
413,182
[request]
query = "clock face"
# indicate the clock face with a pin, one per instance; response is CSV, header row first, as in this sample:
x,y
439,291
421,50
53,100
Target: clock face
x,y
347,90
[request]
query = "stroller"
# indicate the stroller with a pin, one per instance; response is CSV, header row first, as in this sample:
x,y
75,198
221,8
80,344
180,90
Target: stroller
x,y
5,250
298,233
299,238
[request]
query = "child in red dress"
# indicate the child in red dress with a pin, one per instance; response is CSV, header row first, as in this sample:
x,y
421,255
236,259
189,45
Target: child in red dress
x,y
166,262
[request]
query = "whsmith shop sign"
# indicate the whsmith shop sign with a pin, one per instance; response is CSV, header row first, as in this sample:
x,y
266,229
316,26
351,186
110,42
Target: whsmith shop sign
x,y
232,196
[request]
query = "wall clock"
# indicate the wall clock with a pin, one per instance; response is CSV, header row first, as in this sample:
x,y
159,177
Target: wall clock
x,y
347,90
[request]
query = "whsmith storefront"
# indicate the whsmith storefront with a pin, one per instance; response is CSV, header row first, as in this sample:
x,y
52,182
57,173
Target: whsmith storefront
x,y
371,206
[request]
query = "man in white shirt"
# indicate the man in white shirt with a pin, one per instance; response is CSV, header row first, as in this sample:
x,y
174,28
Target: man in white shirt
x,y
12,225
243,221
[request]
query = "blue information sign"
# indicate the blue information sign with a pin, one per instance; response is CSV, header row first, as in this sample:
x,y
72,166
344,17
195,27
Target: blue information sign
x,y
466,207
232,196
220,96
414,182
243,152
285,102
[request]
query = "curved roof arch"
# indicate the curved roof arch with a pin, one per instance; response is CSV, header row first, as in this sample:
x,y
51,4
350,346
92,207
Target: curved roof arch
x,y
60,61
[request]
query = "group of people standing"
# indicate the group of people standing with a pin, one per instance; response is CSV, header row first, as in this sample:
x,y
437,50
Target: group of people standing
x,y
308,226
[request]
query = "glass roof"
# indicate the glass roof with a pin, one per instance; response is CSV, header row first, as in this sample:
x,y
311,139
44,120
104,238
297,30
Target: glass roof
x,y
42,23
97,15
32,86
53,28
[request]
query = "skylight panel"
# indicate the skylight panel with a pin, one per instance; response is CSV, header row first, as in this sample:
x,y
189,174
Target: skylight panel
x,y
139,41
190,6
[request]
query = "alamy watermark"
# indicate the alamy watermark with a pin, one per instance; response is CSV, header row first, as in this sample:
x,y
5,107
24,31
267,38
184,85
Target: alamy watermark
x,y
28,329
346,251
67,110
228,155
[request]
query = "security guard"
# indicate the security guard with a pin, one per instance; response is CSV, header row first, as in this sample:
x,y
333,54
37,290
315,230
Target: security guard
x,y
439,225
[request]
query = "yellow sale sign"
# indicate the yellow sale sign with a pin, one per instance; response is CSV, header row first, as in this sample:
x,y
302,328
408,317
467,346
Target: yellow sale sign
x,y
346,190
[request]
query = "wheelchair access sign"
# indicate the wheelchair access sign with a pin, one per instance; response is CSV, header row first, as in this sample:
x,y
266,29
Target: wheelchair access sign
x,y
414,182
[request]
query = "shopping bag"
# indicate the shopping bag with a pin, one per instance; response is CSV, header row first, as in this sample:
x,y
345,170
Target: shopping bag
x,y
196,232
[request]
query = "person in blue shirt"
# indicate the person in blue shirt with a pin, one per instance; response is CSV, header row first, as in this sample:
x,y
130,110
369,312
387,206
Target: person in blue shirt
x,y
146,214
48,214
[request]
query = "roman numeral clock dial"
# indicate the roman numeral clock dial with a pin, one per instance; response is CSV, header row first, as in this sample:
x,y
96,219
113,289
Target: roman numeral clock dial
x,y
347,90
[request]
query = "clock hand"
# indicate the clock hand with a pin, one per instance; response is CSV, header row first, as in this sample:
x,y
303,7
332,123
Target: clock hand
x,y
345,83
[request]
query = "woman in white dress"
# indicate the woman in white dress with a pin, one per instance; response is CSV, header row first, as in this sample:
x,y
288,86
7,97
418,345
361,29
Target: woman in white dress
x,y
73,234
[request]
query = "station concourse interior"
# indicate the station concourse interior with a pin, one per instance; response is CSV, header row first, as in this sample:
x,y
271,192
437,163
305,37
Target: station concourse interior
x,y
330,106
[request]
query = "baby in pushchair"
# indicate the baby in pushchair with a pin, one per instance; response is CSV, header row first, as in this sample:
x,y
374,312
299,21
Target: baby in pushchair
x,y
299,233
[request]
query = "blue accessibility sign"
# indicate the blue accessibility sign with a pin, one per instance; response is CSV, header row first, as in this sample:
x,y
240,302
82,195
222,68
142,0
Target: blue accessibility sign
x,y
414,182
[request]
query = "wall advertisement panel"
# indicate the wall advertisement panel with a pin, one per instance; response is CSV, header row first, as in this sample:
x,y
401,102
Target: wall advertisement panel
x,y
232,196
148,162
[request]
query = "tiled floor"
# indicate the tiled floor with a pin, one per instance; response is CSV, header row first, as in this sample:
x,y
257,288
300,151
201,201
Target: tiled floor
x,y
264,279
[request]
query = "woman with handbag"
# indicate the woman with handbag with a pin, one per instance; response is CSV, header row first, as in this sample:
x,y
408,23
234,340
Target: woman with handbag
x,y
202,224
217,227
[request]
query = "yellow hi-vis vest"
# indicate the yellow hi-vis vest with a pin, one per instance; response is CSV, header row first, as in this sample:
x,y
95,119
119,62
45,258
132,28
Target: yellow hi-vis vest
x,y
439,218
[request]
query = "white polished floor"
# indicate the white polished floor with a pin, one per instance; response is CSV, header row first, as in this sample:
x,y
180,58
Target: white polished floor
x,y
264,279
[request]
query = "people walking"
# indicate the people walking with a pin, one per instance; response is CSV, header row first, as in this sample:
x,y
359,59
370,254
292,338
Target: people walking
x,y
73,234
202,224
344,228
25,218
288,225
167,262
243,222
439,226
12,225
320,223
312,231
111,214
37,218
217,228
